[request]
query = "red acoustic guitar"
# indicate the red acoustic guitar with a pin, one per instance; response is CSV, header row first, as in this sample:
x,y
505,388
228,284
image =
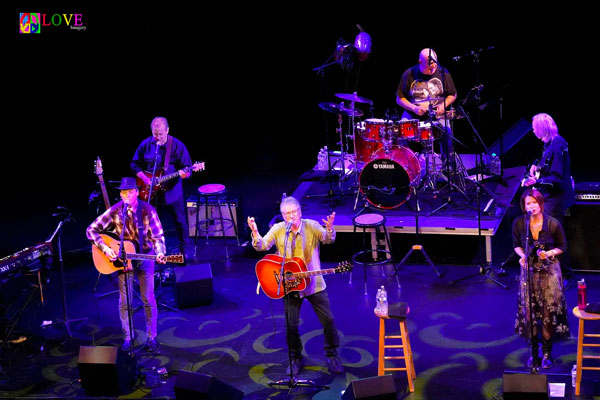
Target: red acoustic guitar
x,y
160,180
296,276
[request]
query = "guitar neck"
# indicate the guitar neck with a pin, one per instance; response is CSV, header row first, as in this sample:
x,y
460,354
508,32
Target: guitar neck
x,y
307,274
104,192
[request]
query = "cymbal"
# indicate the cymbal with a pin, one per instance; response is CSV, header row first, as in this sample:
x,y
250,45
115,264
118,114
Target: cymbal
x,y
429,99
353,97
340,109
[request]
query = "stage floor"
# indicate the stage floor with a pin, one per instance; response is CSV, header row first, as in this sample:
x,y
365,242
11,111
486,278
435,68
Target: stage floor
x,y
443,209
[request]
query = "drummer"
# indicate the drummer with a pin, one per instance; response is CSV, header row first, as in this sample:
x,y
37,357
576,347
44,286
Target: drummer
x,y
425,92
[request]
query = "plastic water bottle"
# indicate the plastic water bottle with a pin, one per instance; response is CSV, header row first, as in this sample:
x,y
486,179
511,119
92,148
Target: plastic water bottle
x,y
378,302
384,301
496,168
574,375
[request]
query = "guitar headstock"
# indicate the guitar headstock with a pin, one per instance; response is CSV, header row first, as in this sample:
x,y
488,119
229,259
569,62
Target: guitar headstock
x,y
198,166
98,166
344,266
175,258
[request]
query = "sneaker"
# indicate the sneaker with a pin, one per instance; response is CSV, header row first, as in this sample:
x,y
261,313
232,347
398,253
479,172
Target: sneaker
x,y
126,346
547,361
297,365
335,365
151,345
530,363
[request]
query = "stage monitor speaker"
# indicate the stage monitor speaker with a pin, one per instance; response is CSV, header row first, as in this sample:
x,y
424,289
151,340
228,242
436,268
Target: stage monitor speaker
x,y
106,370
197,386
214,228
582,228
374,388
525,386
193,285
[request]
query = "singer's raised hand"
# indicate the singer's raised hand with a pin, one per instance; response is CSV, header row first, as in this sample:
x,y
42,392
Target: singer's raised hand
x,y
329,221
252,225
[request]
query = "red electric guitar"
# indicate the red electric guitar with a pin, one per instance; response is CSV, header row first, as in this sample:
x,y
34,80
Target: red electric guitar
x,y
296,276
160,180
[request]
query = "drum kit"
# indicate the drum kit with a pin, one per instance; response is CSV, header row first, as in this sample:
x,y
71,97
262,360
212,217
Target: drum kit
x,y
391,157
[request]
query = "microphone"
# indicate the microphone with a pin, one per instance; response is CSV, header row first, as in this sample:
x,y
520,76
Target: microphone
x,y
288,227
529,214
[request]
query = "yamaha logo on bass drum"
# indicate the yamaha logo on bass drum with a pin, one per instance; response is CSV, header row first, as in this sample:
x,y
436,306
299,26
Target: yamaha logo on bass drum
x,y
384,166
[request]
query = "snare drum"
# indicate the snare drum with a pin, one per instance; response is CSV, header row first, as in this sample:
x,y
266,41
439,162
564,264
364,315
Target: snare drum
x,y
408,129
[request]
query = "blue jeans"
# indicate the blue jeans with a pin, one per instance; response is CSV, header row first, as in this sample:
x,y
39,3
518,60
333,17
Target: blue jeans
x,y
320,303
145,275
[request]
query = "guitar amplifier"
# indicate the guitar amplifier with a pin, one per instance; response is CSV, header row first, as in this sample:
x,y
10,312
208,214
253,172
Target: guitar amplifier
x,y
214,228
587,192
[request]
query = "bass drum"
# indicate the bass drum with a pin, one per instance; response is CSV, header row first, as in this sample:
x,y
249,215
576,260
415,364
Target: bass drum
x,y
387,180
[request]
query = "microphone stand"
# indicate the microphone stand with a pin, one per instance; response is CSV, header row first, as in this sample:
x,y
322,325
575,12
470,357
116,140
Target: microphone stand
x,y
153,172
292,382
529,277
57,233
123,257
416,246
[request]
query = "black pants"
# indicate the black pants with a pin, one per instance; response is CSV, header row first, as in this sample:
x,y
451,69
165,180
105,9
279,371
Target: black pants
x,y
320,303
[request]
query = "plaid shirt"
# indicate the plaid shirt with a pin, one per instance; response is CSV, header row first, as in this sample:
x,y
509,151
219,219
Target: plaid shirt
x,y
111,220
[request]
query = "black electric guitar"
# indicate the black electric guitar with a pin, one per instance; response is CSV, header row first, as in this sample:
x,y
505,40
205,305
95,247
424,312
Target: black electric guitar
x,y
106,267
296,276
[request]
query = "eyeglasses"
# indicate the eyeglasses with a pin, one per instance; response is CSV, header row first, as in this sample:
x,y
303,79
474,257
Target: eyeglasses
x,y
292,212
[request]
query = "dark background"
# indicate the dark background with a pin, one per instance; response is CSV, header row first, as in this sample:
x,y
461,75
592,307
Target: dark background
x,y
237,85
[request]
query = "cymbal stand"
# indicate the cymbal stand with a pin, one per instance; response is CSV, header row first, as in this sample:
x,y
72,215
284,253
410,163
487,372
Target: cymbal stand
x,y
484,271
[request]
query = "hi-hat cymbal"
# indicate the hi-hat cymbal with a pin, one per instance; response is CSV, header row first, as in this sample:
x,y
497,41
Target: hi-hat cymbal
x,y
353,97
340,109
429,99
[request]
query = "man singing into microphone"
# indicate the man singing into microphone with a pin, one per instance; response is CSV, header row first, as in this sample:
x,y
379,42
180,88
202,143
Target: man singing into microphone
x,y
125,216
426,91
303,239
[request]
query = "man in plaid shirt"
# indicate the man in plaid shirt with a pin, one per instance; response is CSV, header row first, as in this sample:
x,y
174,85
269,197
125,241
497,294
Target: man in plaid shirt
x,y
153,243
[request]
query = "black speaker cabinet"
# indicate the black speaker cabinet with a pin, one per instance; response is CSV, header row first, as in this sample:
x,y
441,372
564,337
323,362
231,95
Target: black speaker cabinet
x,y
582,228
214,228
106,370
193,285
197,386
374,388
525,386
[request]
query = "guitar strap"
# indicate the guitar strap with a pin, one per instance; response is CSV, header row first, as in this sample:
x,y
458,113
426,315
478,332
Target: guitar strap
x,y
140,225
168,152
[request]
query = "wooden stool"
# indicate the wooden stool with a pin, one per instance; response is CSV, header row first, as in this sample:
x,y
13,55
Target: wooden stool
x,y
584,316
378,256
217,192
404,345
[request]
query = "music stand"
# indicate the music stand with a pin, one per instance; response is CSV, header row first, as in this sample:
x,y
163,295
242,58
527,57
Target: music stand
x,y
57,233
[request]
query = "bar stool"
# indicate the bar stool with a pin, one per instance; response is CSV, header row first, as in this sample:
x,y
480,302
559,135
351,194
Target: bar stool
x,y
404,345
584,316
216,192
378,256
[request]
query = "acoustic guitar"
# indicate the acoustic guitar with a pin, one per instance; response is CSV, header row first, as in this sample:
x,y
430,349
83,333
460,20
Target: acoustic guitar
x,y
106,267
296,276
160,180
